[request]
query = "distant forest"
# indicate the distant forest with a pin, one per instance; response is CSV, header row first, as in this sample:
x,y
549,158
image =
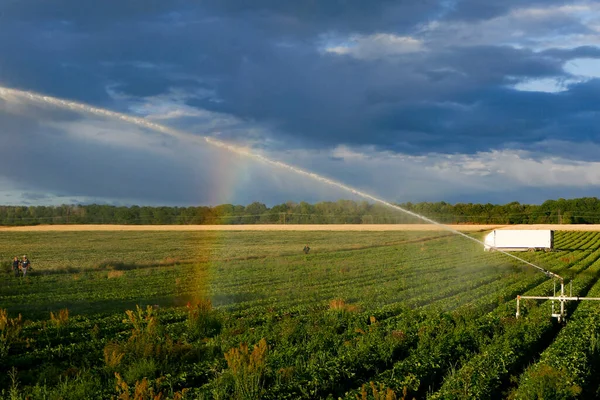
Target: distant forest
x,y
574,211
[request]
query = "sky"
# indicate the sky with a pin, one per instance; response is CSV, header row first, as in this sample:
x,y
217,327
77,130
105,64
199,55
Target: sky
x,y
424,100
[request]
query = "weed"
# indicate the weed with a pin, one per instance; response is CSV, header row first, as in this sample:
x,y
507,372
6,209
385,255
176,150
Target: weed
x,y
13,393
285,375
202,320
340,305
248,369
113,355
61,319
95,332
378,393
145,338
115,274
337,304
140,369
10,328
147,351
73,384
143,390
170,261
549,382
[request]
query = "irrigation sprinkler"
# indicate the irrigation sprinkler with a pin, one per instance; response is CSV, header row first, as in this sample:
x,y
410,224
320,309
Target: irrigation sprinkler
x,y
531,241
562,299
142,122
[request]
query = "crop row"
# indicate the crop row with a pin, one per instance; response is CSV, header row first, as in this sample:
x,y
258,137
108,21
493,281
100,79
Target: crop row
x,y
425,366
370,351
485,374
569,367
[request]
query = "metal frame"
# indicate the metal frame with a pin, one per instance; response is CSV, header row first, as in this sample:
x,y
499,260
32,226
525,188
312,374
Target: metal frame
x,y
562,299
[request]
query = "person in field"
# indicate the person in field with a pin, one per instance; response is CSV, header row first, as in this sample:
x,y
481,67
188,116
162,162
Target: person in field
x,y
15,266
25,265
306,249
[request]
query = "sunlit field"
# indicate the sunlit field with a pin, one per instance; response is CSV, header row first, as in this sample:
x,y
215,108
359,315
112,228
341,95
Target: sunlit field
x,y
249,315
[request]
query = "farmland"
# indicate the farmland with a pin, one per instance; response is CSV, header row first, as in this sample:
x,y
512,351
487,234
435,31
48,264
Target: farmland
x,y
246,314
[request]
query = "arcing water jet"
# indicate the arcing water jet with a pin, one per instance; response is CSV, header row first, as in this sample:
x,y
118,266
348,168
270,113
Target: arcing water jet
x,y
70,105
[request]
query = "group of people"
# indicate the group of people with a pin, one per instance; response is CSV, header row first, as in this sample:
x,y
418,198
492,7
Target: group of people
x,y
20,267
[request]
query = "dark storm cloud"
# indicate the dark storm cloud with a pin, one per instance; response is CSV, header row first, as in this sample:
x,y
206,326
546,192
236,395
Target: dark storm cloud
x,y
47,159
314,17
453,100
265,62
578,52
471,10
36,155
85,14
501,117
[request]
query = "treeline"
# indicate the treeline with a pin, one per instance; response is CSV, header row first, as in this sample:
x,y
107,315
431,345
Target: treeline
x,y
573,211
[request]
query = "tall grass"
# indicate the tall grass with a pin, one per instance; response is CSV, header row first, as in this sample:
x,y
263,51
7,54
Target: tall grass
x,y
247,368
202,320
10,329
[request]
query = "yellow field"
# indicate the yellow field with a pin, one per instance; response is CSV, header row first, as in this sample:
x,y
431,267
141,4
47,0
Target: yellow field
x,y
327,227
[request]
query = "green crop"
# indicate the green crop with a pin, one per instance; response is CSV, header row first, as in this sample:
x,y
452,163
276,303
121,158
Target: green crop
x,y
249,315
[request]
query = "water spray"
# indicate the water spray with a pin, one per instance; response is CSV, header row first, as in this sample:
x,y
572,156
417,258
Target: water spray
x,y
142,122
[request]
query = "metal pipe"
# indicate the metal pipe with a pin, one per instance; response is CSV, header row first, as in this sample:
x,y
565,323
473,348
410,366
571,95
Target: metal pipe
x,y
559,298
562,299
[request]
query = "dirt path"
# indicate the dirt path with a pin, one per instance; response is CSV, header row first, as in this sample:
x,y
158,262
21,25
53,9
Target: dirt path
x,y
328,227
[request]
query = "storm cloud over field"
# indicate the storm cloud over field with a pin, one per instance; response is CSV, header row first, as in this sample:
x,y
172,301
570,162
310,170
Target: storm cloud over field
x,y
416,100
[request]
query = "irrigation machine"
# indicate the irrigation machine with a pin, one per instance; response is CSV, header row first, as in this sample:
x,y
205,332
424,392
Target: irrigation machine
x,y
558,311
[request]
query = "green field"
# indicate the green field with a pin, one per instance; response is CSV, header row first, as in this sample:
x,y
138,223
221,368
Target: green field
x,y
247,315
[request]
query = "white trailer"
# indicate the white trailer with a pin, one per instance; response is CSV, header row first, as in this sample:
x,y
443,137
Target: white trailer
x,y
519,240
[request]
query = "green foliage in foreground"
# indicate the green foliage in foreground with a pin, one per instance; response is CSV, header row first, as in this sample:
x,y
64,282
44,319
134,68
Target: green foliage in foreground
x,y
247,315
